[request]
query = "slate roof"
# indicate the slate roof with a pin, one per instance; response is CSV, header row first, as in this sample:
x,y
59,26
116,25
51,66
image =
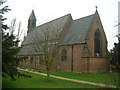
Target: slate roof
x,y
75,34
53,27
30,50
34,50
77,31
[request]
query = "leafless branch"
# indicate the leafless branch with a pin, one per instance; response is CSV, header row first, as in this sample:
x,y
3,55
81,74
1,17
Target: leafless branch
x,y
12,26
46,42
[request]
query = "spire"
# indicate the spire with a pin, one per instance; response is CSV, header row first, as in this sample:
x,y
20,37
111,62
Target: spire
x,y
31,21
32,16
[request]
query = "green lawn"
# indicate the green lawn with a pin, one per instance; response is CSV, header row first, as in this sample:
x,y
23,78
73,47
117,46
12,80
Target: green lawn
x,y
104,77
38,81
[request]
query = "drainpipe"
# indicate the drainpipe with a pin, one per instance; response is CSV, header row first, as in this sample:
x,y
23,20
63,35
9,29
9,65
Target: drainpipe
x,y
72,60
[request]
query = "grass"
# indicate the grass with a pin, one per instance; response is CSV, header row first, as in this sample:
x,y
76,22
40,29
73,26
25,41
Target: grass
x,y
104,77
38,81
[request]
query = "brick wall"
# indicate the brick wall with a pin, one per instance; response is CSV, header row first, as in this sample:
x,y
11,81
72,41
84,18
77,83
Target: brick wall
x,y
65,65
88,64
35,63
79,64
98,65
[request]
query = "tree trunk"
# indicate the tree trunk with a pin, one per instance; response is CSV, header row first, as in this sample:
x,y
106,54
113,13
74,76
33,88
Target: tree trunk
x,y
48,74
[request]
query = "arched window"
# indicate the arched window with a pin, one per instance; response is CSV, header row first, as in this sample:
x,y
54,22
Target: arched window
x,y
64,55
86,51
97,43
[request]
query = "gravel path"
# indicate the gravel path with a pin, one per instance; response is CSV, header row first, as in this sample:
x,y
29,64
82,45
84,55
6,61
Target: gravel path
x,y
74,80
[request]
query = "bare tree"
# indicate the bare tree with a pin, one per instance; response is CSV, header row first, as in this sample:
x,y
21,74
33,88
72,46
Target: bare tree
x,y
16,30
12,26
47,49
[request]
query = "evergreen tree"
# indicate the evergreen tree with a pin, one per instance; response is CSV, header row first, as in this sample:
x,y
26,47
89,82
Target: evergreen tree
x,y
115,56
10,48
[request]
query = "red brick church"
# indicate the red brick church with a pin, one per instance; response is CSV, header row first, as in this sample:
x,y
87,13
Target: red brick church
x,y
82,44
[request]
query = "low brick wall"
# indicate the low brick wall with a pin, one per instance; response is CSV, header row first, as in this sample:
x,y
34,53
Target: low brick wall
x,y
98,65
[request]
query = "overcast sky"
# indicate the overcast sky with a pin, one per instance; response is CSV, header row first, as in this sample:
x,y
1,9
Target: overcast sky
x,y
47,10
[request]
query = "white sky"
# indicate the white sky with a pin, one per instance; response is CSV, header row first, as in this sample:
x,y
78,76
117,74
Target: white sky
x,y
46,10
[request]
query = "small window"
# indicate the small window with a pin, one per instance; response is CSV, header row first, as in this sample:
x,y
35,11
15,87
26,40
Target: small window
x,y
41,61
64,55
31,59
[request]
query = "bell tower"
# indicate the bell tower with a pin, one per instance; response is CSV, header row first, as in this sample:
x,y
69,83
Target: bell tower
x,y
31,22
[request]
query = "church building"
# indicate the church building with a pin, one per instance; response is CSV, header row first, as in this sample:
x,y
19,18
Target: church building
x,y
82,44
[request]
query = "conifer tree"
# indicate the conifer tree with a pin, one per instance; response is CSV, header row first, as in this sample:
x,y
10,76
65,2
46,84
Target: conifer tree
x,y
10,48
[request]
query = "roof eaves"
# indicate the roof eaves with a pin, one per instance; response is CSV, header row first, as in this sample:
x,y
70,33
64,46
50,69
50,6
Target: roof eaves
x,y
72,43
